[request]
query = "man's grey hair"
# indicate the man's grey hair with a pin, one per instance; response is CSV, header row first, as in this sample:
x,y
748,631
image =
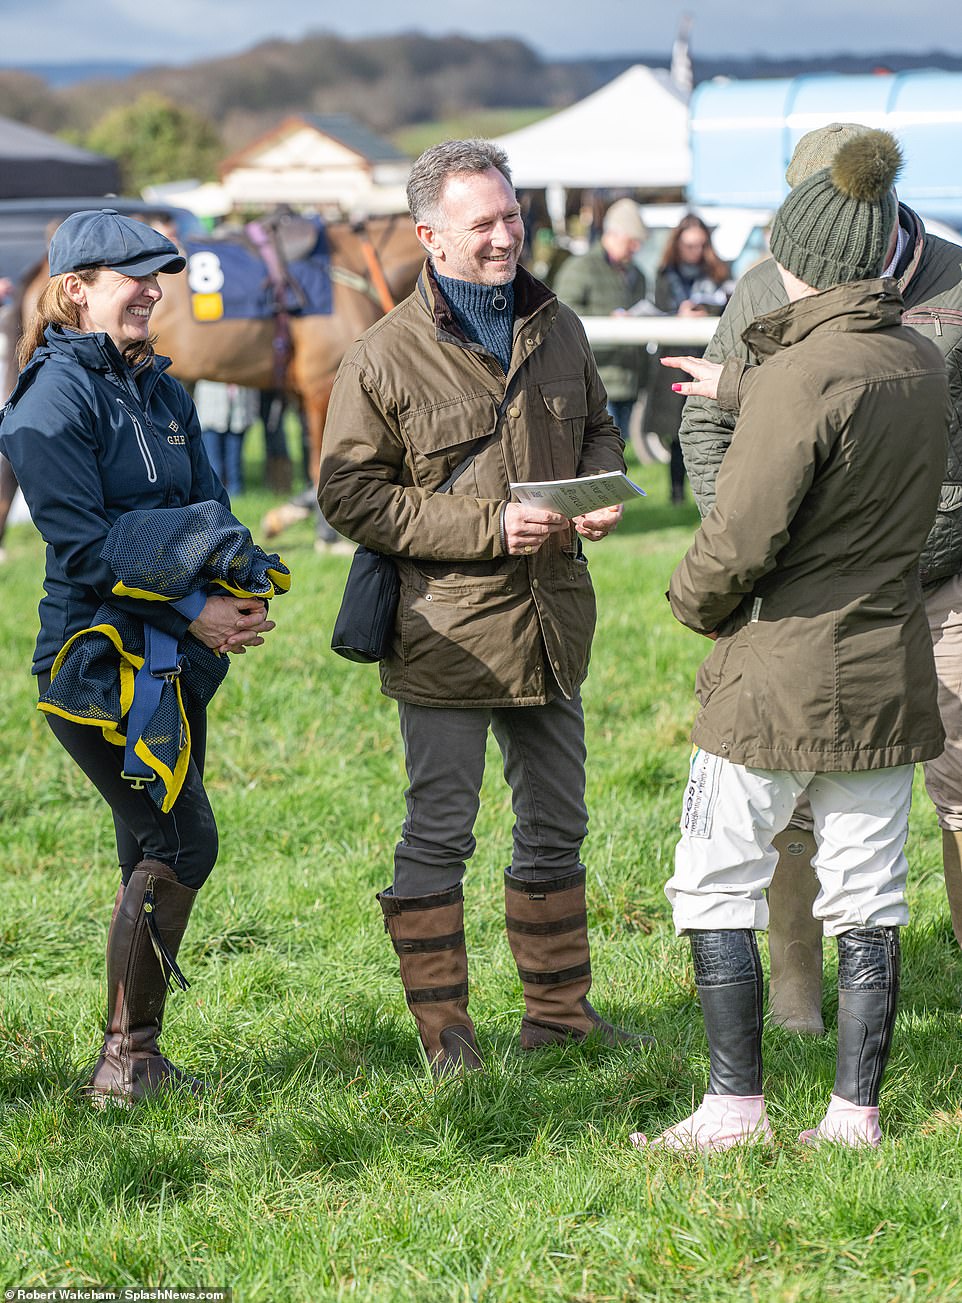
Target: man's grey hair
x,y
450,158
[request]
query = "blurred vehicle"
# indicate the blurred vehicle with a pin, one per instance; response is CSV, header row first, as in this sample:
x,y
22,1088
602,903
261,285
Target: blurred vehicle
x,y
25,223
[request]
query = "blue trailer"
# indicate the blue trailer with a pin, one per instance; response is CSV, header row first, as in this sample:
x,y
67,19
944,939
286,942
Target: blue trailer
x,y
742,134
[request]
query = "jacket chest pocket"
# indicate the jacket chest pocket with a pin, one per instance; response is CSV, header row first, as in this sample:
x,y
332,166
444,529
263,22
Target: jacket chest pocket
x,y
133,431
145,455
442,436
565,407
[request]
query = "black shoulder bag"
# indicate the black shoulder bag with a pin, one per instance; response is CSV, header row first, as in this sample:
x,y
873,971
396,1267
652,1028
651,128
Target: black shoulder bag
x,y
365,622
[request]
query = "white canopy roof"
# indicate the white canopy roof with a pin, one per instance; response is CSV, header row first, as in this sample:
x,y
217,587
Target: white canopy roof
x,y
630,134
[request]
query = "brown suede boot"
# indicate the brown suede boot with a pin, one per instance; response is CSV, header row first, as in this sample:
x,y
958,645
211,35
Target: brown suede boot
x,y
795,937
952,868
150,918
547,923
428,937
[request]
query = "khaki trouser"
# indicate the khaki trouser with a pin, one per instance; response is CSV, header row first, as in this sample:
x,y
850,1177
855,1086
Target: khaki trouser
x,y
943,776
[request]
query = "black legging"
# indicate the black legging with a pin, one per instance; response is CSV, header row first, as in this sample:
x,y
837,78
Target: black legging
x,y
185,838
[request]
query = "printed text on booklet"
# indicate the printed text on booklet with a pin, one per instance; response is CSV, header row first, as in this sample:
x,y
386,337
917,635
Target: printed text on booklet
x,y
580,496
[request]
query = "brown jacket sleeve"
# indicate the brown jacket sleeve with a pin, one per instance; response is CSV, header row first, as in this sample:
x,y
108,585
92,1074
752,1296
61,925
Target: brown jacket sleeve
x,y
367,491
766,473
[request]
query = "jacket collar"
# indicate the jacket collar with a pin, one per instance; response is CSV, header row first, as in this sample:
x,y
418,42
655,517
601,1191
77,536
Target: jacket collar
x,y
908,264
530,296
96,351
858,306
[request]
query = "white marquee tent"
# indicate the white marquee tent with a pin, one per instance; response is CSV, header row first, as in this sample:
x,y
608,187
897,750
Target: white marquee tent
x,y
631,134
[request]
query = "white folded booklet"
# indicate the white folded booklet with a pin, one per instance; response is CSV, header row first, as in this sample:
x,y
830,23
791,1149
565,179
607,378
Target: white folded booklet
x,y
578,497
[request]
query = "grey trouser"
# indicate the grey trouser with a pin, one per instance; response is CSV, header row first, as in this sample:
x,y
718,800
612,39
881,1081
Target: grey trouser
x,y
543,748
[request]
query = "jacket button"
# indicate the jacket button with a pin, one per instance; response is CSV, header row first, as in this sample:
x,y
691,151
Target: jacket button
x,y
556,664
534,583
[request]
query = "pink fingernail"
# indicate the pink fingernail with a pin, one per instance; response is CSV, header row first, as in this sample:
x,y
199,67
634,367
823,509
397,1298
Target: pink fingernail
x,y
676,388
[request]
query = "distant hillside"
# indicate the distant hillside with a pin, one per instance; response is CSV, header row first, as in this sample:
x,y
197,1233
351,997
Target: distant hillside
x,y
58,75
392,83
602,68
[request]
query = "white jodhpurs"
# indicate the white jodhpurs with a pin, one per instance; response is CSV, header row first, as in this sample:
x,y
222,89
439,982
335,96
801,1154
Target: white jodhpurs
x,y
724,861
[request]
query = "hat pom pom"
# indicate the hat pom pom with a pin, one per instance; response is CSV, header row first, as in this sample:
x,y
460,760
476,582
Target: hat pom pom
x,y
865,167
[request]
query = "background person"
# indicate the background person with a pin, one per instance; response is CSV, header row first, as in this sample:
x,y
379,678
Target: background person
x,y
692,281
605,280
96,429
225,412
805,574
278,465
929,275
480,368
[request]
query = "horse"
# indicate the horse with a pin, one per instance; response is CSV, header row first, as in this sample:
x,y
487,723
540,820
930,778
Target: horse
x,y
373,264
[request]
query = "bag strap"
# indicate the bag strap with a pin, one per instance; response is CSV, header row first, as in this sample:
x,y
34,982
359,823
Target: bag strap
x,y
162,657
486,442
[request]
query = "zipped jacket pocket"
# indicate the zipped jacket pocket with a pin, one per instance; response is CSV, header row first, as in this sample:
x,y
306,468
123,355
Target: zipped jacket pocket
x,y
937,317
141,443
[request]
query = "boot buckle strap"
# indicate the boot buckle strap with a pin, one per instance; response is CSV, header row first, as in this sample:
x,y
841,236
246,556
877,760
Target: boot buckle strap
x,y
437,994
558,978
428,945
553,927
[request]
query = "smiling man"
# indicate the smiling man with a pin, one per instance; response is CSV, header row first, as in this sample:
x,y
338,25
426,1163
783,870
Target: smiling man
x,y
479,378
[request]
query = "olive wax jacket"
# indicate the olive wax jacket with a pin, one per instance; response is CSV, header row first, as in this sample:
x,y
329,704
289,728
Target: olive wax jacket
x,y
929,277
807,566
412,399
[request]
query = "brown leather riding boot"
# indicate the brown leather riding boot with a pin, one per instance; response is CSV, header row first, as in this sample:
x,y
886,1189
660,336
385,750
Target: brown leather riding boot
x,y
547,923
952,868
428,937
795,937
150,918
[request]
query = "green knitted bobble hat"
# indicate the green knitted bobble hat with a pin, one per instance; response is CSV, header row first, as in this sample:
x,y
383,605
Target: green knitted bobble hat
x,y
836,226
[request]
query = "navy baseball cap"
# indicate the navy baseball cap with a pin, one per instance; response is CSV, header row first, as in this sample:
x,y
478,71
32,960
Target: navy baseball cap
x,y
104,238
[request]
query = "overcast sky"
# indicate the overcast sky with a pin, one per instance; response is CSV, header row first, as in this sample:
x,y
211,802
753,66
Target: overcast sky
x,y
181,31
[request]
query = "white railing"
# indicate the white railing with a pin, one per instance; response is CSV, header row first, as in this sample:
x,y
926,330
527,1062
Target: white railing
x,y
680,331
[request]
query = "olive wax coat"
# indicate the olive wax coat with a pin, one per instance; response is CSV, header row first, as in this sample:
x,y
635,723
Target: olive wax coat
x,y
412,399
807,565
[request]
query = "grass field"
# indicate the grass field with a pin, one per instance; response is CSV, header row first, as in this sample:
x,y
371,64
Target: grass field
x,y
324,1164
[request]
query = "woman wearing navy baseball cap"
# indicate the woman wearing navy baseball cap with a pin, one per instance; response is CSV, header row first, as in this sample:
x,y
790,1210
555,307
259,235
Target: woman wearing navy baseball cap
x,y
101,436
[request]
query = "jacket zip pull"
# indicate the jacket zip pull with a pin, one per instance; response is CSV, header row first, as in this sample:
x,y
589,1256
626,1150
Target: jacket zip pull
x,y
168,964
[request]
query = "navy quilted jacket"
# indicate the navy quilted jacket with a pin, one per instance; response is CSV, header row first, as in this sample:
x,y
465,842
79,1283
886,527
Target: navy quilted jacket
x,y
90,439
